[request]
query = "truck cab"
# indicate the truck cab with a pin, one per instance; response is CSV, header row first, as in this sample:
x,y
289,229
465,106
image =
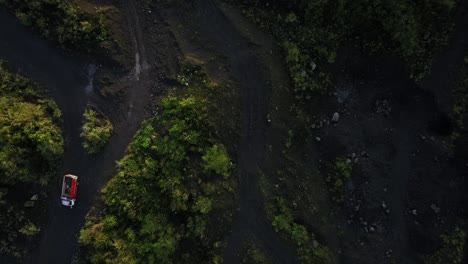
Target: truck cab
x,y
69,188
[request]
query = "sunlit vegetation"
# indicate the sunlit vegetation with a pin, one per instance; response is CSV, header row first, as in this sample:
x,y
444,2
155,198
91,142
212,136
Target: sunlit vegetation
x,y
97,130
31,147
311,33
31,140
61,21
171,189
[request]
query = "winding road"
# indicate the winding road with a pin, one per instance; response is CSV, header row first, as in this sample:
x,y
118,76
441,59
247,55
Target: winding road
x,y
67,79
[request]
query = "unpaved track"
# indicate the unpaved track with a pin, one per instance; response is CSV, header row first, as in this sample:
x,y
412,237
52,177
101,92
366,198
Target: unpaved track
x,y
218,33
65,77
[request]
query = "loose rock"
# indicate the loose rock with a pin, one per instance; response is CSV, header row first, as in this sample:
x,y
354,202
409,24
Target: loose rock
x,y
34,197
29,204
435,208
335,117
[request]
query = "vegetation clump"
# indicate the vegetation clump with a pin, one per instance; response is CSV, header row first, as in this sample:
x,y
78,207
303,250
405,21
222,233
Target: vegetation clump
x,y
31,147
171,188
311,32
61,21
31,142
309,252
96,131
336,178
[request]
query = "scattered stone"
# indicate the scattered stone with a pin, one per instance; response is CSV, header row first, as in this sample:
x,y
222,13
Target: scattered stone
x,y
384,205
422,137
315,243
372,229
29,204
318,139
353,155
356,208
385,189
348,161
387,211
435,208
414,212
383,107
432,139
366,229
356,160
34,197
313,65
313,125
364,154
335,117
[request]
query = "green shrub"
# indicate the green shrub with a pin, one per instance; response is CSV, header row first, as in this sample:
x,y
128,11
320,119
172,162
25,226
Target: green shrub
x,y
31,142
96,131
30,230
216,159
61,21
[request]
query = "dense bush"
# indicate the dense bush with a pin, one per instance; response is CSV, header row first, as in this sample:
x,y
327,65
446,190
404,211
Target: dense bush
x,y
96,131
61,21
311,32
31,142
170,190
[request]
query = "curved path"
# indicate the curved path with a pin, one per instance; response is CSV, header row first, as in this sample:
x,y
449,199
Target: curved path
x,y
66,78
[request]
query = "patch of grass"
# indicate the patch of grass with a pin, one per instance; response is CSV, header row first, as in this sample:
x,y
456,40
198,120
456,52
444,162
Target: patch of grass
x,y
97,130
451,251
254,255
337,175
30,229
308,249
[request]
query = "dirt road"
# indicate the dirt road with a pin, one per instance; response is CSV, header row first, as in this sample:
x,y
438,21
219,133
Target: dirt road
x,y
67,78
